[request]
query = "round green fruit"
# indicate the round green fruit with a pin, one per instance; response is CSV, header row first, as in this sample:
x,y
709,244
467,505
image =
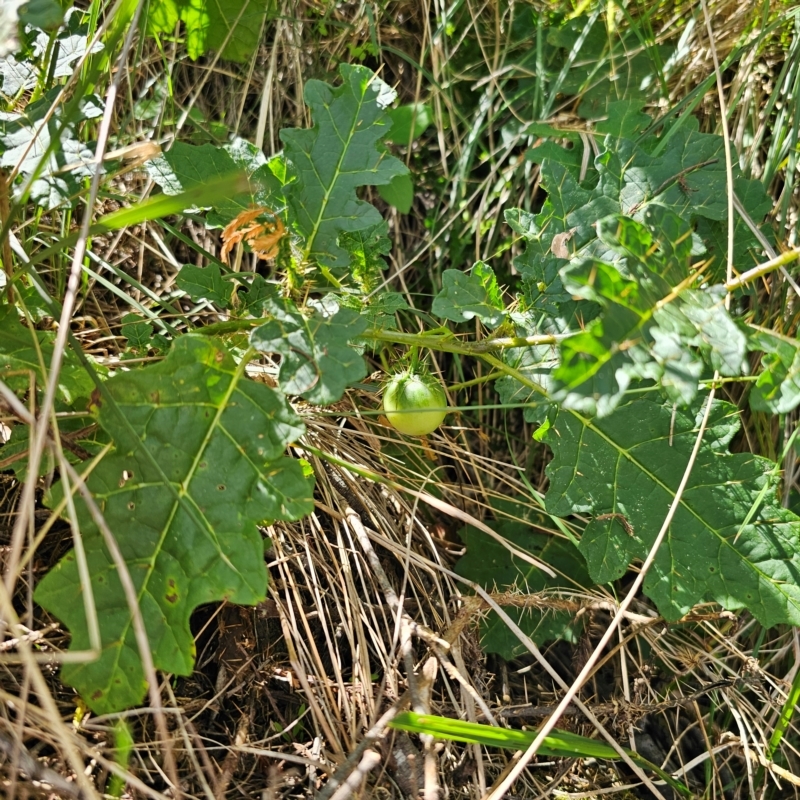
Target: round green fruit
x,y
414,404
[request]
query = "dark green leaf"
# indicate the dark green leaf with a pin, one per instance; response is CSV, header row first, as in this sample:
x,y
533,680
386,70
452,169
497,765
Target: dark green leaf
x,y
205,283
553,152
747,251
20,348
381,310
258,294
466,296
490,564
198,463
624,119
606,68
332,159
46,15
730,541
317,362
409,122
399,192
136,330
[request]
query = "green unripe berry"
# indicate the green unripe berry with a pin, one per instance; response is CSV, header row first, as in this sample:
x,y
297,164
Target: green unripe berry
x,y
414,404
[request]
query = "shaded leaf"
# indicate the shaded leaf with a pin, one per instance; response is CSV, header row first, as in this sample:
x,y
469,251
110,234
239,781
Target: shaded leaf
x,y
570,157
624,470
137,330
258,295
490,564
624,119
317,361
409,122
204,283
605,68
43,14
399,192
19,357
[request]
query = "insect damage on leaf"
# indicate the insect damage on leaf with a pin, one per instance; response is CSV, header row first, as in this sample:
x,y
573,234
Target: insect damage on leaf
x,y
198,462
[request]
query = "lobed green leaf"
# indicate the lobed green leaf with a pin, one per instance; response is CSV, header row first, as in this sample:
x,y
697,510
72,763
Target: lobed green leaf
x,y
317,361
198,462
331,160
730,541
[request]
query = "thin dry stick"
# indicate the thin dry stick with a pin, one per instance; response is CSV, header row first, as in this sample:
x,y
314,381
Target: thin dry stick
x,y
73,284
36,771
634,590
368,762
43,693
370,738
209,72
726,138
302,678
534,651
92,624
79,484
779,262
139,630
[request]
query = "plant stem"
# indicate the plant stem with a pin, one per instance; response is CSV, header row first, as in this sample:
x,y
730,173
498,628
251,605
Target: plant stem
x,y
414,358
762,269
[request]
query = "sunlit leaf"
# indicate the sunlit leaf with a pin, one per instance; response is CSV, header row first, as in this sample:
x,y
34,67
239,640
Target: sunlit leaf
x,y
333,158
198,462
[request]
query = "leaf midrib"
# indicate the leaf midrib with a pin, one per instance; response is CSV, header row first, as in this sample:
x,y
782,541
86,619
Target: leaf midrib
x,y
670,492
346,144
587,425
181,495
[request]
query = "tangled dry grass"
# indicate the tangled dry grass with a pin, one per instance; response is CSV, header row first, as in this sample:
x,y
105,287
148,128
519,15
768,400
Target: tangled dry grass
x,y
366,615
